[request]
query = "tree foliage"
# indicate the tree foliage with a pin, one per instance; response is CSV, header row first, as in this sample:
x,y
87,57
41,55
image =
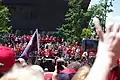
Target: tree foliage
x,y
4,38
101,10
4,26
75,18
86,33
4,19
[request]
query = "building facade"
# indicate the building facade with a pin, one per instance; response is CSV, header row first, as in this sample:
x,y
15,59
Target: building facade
x,y
46,15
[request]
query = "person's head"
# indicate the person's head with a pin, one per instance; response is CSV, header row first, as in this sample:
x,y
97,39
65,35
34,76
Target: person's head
x,y
74,65
82,73
22,62
37,67
66,74
26,73
84,56
7,59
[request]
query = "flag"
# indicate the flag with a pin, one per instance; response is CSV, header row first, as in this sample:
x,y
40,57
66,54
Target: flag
x,y
31,46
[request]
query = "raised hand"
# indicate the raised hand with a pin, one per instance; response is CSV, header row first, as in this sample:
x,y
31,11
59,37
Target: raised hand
x,y
108,51
109,42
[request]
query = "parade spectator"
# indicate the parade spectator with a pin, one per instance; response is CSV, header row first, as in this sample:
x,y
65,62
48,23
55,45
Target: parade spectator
x,y
22,62
67,72
7,59
82,73
23,73
108,52
37,68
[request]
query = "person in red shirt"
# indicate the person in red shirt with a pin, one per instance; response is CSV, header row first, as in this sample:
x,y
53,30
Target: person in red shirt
x,y
73,51
51,38
81,51
51,53
42,52
28,38
69,51
41,39
57,39
115,72
47,39
47,54
76,44
54,39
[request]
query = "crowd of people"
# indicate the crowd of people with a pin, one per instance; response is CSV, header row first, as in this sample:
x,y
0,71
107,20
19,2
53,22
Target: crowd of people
x,y
49,46
84,65
18,43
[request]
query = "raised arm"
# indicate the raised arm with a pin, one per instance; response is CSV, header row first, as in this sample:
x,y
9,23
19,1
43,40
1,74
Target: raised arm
x,y
108,51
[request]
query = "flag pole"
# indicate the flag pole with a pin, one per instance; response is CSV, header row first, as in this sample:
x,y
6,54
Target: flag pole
x,y
38,47
38,42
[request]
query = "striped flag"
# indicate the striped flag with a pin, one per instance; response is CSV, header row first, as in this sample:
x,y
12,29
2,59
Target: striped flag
x,y
31,46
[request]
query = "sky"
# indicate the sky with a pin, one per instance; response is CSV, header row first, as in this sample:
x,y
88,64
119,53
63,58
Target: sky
x,y
115,15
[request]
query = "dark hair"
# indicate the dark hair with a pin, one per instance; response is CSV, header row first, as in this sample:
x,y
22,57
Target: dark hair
x,y
91,60
1,74
17,61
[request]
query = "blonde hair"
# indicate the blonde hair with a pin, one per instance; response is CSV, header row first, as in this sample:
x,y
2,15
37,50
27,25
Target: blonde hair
x,y
26,73
81,73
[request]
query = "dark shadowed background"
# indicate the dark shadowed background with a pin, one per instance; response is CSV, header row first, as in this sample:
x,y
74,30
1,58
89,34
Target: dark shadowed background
x,y
46,15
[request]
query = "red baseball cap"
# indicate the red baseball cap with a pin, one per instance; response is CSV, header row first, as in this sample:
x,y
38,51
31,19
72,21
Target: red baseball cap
x,y
7,59
48,75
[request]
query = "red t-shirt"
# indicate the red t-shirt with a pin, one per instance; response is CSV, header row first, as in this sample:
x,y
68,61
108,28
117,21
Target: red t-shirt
x,y
50,39
44,39
114,74
92,52
69,51
47,52
47,39
41,39
28,38
57,40
51,52
81,52
48,76
43,52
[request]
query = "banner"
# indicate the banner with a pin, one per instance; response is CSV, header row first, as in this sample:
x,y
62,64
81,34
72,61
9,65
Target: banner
x,y
31,46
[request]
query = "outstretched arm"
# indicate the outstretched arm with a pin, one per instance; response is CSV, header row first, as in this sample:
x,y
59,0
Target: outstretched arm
x,y
108,51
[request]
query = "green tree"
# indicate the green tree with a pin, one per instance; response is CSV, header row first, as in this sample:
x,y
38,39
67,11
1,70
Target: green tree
x,y
75,19
4,26
4,19
86,33
101,10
